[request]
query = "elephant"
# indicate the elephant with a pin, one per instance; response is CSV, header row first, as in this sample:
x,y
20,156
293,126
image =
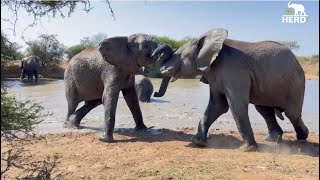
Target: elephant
x,y
96,76
266,74
144,88
30,66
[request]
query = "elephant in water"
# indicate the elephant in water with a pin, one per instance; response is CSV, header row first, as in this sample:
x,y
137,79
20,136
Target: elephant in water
x,y
96,76
144,88
266,74
30,66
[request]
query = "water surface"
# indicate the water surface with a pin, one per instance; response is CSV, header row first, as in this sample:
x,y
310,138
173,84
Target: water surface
x,y
182,106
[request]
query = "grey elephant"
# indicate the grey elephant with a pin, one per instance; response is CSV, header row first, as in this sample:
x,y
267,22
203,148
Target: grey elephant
x,y
266,74
30,66
144,88
96,76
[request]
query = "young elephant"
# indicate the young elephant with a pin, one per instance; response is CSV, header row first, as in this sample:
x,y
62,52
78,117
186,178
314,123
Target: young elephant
x,y
266,74
30,66
97,76
144,88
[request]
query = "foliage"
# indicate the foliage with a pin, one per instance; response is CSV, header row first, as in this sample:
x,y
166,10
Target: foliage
x,y
47,48
18,120
288,11
175,44
290,44
86,42
39,9
94,40
73,50
310,60
18,117
9,50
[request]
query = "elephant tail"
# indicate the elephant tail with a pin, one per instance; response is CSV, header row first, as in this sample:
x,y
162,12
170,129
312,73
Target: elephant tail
x,y
278,113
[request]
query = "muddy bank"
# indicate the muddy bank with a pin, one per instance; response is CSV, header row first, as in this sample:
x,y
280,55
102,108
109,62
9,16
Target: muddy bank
x,y
57,72
169,155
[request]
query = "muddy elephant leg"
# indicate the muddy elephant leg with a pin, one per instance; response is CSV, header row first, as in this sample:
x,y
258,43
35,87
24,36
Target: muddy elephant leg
x,y
73,101
216,107
36,74
300,128
110,101
132,101
23,74
30,76
75,119
238,101
275,131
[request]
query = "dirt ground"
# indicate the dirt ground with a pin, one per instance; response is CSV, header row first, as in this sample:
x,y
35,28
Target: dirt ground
x,y
169,155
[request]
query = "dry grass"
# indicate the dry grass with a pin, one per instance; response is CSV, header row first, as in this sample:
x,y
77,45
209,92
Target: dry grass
x,y
170,155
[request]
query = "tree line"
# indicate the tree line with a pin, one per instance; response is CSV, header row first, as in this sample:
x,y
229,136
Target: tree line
x,y
50,51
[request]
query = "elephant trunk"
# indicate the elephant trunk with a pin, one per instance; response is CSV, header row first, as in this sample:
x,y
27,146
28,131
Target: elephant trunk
x,y
163,87
289,4
162,54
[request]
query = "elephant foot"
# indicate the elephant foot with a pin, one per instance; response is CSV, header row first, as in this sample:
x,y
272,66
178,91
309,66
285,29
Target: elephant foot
x,y
303,133
199,141
249,147
107,139
71,124
274,137
140,128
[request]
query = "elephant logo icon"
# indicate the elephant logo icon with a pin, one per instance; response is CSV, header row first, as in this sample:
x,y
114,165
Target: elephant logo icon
x,y
295,13
297,8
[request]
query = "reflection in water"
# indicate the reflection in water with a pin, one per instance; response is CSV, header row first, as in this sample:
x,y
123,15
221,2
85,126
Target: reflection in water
x,y
181,106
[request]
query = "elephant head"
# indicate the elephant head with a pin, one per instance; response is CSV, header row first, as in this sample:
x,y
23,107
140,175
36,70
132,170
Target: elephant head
x,y
130,54
194,58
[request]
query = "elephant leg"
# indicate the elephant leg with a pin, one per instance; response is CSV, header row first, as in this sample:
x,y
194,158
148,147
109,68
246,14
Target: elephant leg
x,y
110,101
132,101
23,74
237,93
275,131
299,126
76,118
216,107
73,101
30,76
36,74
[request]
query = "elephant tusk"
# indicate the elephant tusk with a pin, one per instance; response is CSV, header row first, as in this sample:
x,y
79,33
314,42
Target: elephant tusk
x,y
173,79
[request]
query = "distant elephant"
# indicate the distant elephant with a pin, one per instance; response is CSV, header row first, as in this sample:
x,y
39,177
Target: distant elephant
x,y
30,66
266,74
144,88
97,76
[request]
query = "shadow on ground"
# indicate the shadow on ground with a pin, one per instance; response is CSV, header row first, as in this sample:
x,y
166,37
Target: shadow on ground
x,y
219,141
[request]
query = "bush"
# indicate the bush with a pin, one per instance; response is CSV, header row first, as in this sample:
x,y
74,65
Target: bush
x,y
18,120
73,50
175,44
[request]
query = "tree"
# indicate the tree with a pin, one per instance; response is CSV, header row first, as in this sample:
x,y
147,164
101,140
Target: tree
x,y
290,44
47,48
39,9
9,50
86,42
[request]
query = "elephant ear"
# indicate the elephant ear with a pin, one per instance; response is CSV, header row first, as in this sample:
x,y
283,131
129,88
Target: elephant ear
x,y
116,51
208,46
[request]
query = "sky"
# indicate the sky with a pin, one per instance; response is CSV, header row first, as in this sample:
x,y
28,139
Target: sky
x,y
244,20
